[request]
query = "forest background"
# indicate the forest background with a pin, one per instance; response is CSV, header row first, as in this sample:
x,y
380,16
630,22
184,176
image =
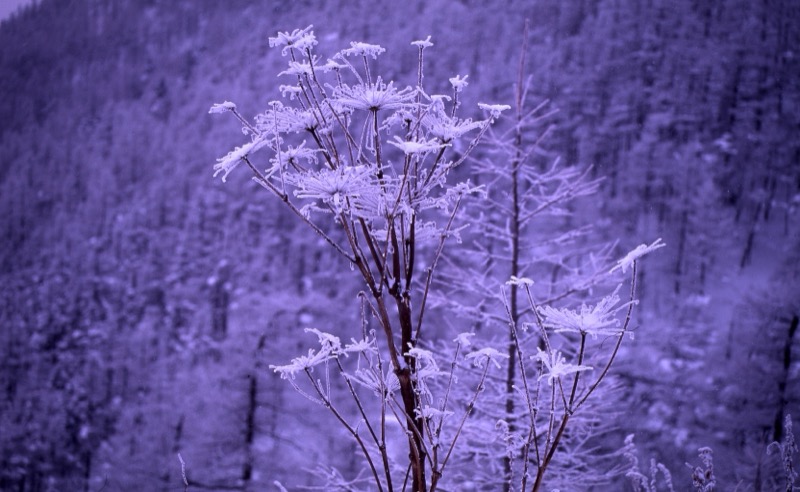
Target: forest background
x,y
142,301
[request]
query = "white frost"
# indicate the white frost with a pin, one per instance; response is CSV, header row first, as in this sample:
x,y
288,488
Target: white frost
x,y
423,43
556,365
420,147
494,109
489,354
459,83
637,253
363,49
222,108
519,281
463,339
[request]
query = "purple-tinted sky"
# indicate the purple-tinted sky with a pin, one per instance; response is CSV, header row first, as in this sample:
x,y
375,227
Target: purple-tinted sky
x,y
7,7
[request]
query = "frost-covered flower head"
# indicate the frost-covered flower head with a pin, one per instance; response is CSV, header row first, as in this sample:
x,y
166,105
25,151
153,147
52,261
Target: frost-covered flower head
x,y
459,83
637,253
588,320
298,68
330,348
299,39
228,163
295,157
382,385
290,91
447,128
423,356
463,339
328,341
334,187
222,107
410,147
427,368
494,109
485,356
282,119
362,49
519,281
372,97
423,43
556,365
330,65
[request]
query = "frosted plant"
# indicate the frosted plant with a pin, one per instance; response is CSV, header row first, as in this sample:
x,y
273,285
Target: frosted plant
x,y
299,39
539,419
556,366
372,97
703,479
639,481
571,382
367,165
637,253
597,320
364,49
487,354
786,450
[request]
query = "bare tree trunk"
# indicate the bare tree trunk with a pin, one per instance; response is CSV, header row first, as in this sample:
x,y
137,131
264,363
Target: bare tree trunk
x,y
787,362
748,248
249,430
515,226
681,250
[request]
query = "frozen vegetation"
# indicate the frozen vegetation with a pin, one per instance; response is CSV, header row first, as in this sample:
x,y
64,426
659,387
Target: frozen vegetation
x,y
446,248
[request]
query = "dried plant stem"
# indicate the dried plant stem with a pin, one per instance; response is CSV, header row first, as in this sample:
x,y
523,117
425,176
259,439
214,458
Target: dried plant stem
x,y
379,443
532,411
436,474
329,405
571,408
622,333
263,181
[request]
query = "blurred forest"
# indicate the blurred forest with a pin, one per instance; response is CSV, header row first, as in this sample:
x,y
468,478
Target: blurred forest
x,y
142,301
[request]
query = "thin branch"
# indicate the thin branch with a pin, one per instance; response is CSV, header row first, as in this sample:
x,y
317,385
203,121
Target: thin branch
x,y
624,330
329,405
262,180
